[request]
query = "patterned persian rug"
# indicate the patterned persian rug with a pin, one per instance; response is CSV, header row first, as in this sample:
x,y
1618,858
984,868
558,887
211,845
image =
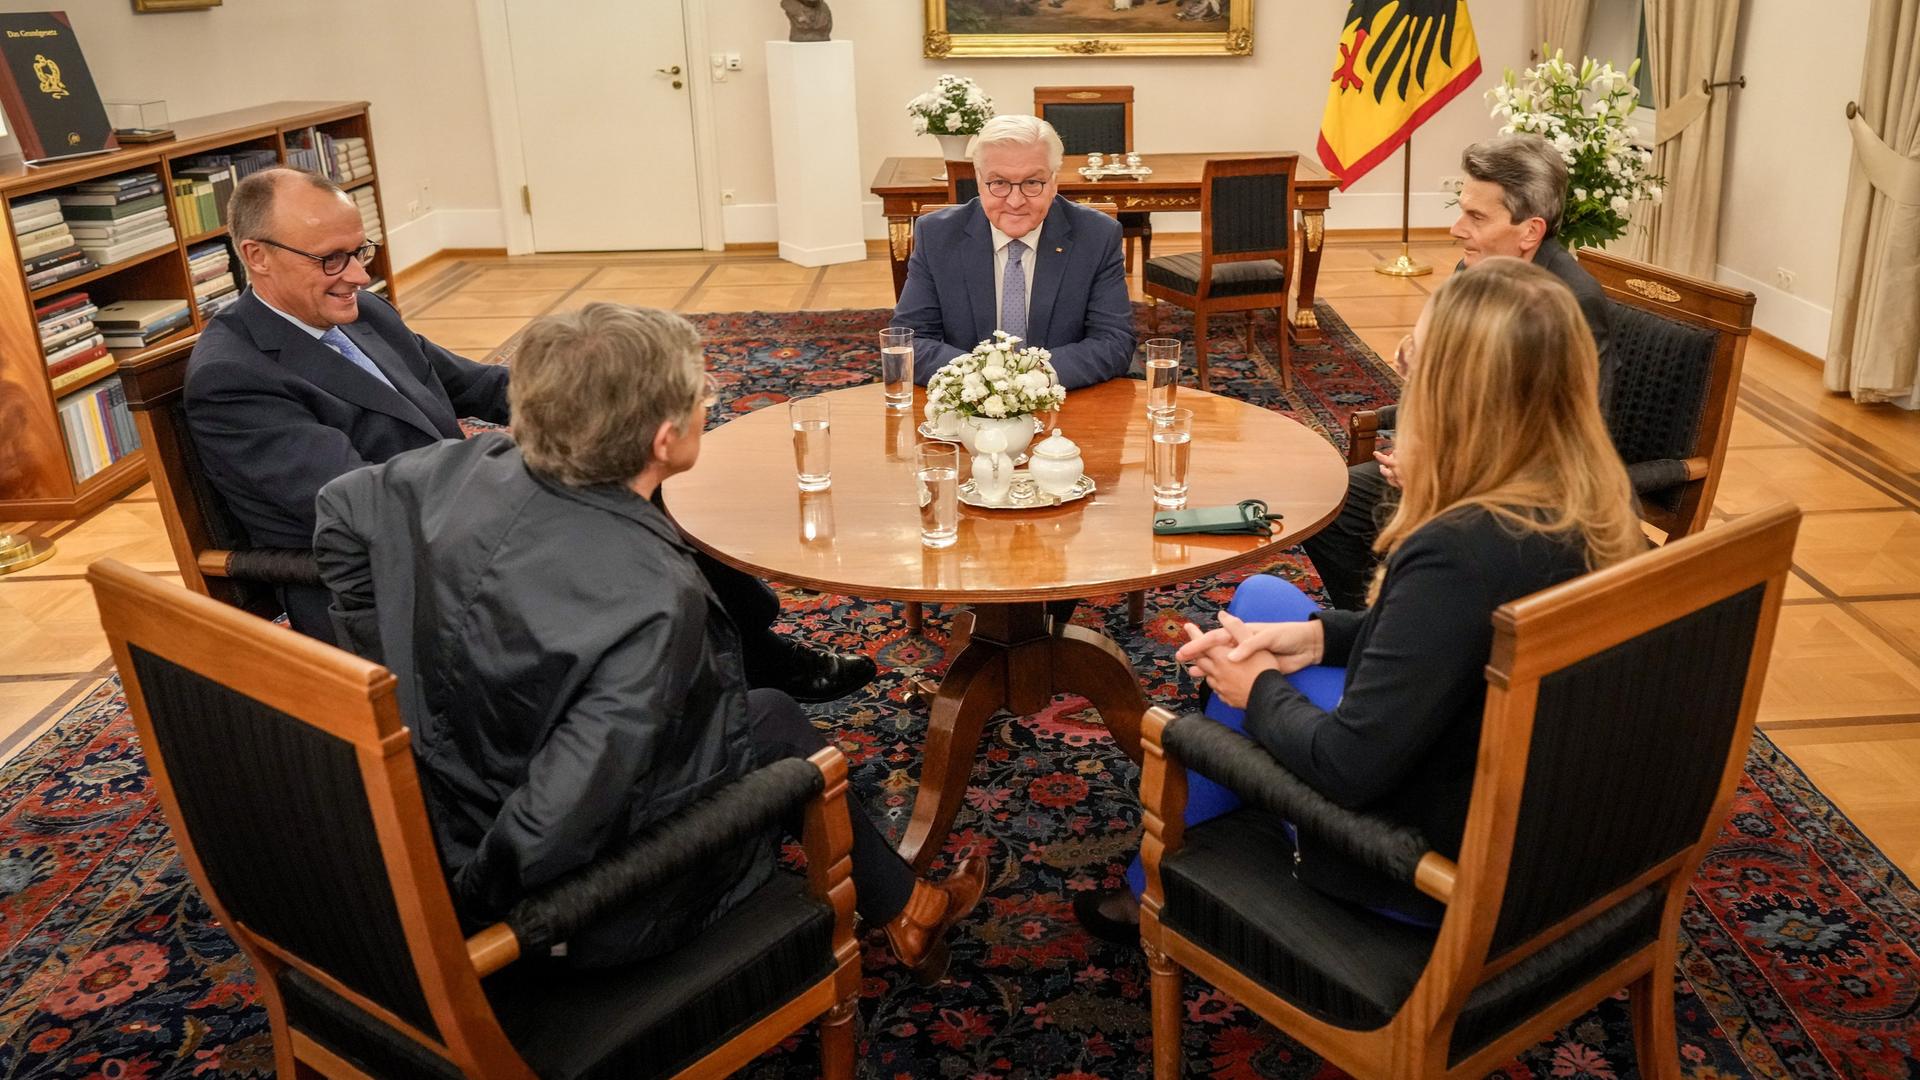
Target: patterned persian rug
x,y
1800,951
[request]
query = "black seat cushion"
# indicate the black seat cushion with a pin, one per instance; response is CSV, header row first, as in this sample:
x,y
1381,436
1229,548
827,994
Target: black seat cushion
x,y
1231,890
1656,392
1181,273
653,1018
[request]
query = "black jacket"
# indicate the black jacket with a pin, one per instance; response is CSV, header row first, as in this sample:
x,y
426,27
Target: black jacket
x,y
1404,739
567,673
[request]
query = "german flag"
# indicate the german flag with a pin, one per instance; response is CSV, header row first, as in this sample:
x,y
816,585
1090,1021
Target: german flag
x,y
1399,62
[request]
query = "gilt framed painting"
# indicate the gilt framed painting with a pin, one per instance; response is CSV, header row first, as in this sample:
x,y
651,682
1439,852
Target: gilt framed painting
x,y
1089,28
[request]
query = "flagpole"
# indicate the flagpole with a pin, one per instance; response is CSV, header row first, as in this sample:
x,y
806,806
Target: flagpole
x,y
1405,265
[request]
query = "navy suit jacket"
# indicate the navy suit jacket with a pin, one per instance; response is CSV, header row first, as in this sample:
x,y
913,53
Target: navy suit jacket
x,y
275,414
1079,310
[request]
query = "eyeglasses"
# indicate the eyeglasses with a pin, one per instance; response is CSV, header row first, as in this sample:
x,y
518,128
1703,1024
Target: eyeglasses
x,y
333,262
1000,189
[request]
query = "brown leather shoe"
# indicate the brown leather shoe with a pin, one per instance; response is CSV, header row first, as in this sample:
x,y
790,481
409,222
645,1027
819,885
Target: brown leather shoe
x,y
918,935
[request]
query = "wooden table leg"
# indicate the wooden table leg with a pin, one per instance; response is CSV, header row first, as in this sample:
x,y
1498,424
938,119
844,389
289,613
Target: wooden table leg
x,y
1012,661
1304,326
899,247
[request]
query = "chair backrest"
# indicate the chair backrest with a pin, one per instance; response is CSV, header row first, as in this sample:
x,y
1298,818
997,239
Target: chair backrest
x,y
1677,344
962,185
1619,710
1090,119
290,786
1246,209
196,517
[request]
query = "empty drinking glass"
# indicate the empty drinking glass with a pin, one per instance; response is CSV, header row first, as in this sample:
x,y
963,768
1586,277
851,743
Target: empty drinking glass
x,y
1163,374
937,470
811,447
1172,449
896,366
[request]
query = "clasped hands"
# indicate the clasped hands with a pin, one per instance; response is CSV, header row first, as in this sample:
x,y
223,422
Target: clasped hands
x,y
1231,656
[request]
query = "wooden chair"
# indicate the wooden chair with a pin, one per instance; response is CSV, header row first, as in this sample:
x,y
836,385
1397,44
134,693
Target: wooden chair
x,y
1619,710
208,542
962,185
1246,222
1677,345
1097,119
290,785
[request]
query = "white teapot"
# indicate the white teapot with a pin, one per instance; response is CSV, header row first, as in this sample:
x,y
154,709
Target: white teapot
x,y
992,465
1055,464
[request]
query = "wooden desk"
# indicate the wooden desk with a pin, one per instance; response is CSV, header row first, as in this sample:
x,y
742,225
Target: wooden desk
x,y
862,538
906,184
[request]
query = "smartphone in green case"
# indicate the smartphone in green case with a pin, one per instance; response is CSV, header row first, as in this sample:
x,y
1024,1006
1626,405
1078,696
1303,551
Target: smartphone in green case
x,y
1249,517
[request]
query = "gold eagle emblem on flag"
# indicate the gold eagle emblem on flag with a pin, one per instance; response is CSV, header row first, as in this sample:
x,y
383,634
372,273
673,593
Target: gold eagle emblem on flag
x,y
1397,63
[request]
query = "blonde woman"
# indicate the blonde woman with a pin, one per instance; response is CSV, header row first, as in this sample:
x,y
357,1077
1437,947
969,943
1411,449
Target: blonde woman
x,y
1510,485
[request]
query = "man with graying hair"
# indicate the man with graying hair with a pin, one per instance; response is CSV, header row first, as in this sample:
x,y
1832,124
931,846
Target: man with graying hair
x,y
1022,259
1510,204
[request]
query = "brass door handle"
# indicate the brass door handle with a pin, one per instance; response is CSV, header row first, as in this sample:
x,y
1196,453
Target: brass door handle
x,y
674,70
677,84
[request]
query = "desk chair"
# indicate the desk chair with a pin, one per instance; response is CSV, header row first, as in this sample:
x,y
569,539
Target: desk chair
x,y
289,782
208,542
1246,223
1619,710
1678,343
1092,119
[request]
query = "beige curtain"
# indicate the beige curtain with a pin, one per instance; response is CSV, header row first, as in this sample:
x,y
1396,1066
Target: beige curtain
x,y
1873,349
1688,42
1561,24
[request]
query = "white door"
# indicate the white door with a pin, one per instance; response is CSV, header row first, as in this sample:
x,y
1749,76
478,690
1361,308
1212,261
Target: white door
x,y
606,124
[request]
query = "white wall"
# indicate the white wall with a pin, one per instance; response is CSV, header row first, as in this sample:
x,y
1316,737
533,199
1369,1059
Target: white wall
x,y
1788,154
417,61
1268,101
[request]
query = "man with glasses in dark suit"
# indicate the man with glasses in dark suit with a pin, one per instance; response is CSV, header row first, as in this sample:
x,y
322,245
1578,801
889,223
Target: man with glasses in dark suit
x,y
308,376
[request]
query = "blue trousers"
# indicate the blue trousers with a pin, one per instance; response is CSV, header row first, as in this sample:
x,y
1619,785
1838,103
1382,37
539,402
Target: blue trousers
x,y
1260,598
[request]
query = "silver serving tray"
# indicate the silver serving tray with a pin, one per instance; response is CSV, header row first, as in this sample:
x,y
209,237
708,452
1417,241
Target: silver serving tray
x,y
1038,500
1104,171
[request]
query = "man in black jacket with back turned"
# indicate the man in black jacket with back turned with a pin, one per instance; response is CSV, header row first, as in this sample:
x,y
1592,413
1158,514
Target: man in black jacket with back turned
x,y
308,377
567,671
1510,204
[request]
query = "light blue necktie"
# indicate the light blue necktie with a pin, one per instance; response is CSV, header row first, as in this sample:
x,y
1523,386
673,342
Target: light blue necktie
x,y
1013,292
344,345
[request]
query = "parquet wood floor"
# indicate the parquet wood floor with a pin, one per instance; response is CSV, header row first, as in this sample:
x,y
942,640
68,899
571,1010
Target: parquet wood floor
x,y
1842,696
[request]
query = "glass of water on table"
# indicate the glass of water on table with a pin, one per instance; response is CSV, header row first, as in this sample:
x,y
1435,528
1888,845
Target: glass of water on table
x,y
937,475
896,366
1172,451
1163,375
811,447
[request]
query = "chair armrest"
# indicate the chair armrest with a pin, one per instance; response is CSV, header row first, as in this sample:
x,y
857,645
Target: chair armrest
x,y
1662,473
1243,766
723,820
268,566
1363,432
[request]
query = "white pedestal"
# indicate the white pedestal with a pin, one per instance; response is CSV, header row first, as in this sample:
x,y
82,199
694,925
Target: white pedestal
x,y
816,151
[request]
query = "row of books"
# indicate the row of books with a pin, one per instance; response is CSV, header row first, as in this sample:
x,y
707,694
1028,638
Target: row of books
x,y
74,347
48,252
98,427
215,284
369,214
117,217
341,160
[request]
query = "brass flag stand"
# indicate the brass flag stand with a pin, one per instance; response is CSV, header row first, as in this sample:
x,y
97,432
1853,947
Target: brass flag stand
x,y
1406,265
20,552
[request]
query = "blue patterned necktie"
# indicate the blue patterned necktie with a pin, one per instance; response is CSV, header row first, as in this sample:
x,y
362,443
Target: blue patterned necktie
x,y
344,345
1013,292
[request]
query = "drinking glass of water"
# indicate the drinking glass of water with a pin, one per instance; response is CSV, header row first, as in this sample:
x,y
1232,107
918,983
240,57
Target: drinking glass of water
x,y
896,366
937,469
811,432
1172,448
1163,374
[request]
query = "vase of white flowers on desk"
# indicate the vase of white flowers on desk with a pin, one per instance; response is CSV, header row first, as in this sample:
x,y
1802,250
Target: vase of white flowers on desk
x,y
1585,111
997,385
952,112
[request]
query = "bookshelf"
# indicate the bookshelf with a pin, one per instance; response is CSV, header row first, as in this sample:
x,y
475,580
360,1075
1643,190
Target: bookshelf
x,y
37,455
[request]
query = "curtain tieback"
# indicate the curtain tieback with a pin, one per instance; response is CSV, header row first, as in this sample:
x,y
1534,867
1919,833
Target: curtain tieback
x,y
1891,173
1679,114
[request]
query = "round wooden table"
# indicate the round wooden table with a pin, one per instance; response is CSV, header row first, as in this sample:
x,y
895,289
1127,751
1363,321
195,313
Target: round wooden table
x,y
861,538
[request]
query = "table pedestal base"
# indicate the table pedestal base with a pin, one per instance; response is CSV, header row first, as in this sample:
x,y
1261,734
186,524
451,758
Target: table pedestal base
x,y
1013,660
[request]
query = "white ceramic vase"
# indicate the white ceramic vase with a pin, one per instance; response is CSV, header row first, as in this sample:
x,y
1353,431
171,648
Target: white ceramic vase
x,y
952,147
1017,429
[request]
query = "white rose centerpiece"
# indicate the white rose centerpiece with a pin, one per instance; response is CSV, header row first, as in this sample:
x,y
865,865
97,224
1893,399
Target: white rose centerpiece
x,y
998,384
954,109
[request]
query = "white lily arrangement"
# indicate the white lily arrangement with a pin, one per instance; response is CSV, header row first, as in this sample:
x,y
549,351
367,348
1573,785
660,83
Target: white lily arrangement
x,y
996,380
955,106
1584,112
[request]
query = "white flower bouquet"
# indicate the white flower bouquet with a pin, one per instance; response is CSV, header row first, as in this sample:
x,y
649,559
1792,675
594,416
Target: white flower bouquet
x,y
1584,112
996,380
955,106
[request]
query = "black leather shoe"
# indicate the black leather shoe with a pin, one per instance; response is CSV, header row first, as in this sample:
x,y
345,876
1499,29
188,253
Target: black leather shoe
x,y
1086,909
823,675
